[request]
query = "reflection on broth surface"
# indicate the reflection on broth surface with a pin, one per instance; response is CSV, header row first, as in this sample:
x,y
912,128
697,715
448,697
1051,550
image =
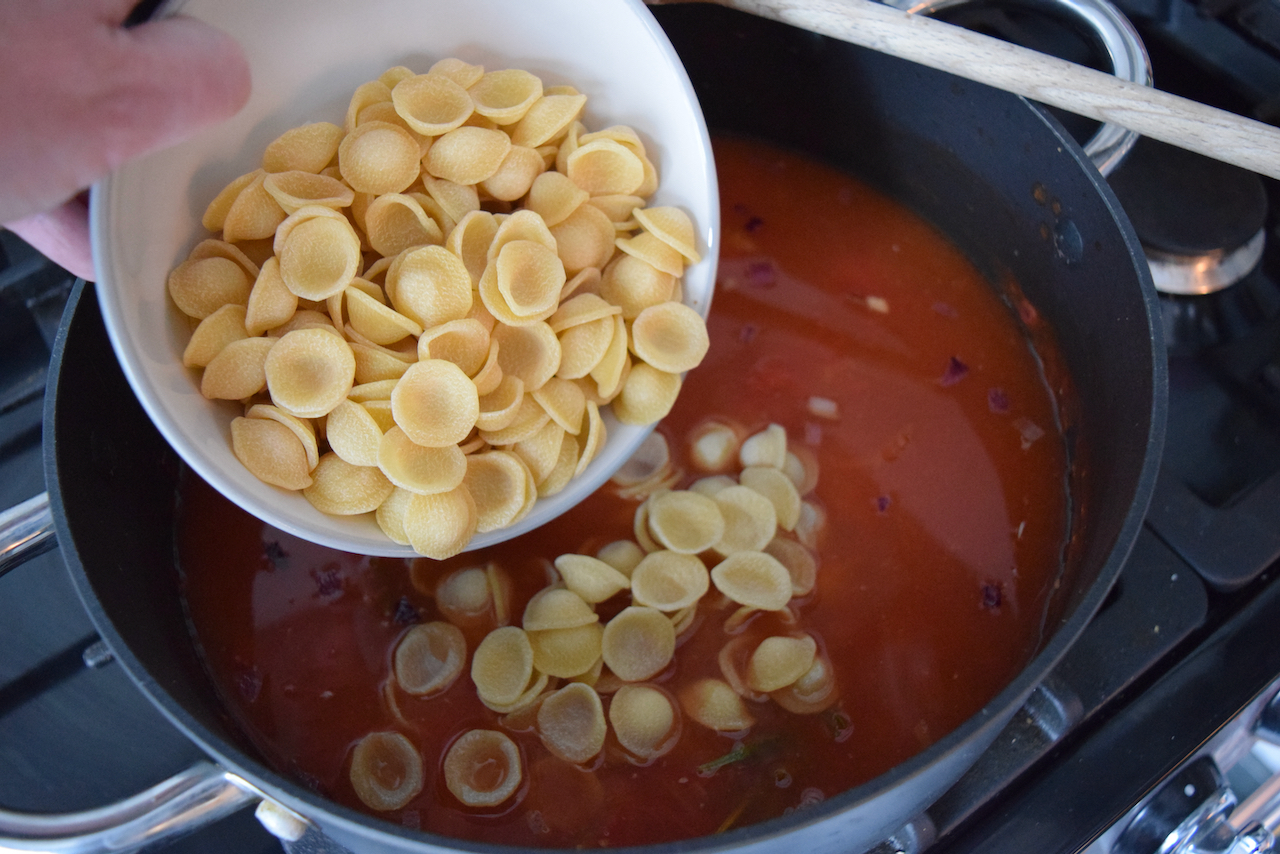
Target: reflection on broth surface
x,y
844,328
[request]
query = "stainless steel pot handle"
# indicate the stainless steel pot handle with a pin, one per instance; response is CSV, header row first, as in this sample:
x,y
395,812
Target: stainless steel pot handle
x,y
26,531
1124,48
200,795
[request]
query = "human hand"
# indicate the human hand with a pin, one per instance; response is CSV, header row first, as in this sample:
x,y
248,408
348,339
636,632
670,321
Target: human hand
x,y
81,95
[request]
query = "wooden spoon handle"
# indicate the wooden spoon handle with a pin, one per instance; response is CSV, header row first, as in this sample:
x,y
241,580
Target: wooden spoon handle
x,y
1178,121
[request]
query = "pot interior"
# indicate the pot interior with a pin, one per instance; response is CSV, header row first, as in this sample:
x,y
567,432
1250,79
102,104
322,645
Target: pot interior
x,y
992,172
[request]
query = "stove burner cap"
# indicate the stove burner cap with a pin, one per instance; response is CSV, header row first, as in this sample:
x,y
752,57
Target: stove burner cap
x,y
1201,221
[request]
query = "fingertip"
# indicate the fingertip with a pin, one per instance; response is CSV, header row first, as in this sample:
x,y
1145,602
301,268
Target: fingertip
x,y
62,236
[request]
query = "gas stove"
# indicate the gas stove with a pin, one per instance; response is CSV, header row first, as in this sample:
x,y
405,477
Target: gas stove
x,y
1160,711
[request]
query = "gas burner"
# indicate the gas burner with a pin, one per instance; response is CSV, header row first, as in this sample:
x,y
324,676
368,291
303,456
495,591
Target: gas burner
x,y
1202,222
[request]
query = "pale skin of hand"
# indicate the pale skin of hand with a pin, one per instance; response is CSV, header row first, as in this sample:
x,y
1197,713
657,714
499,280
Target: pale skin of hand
x,y
80,95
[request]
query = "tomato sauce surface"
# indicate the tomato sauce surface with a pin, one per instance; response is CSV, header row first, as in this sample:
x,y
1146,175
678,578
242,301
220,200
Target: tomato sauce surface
x,y
942,473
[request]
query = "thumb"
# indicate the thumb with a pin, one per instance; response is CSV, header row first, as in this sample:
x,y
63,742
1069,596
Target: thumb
x,y
178,76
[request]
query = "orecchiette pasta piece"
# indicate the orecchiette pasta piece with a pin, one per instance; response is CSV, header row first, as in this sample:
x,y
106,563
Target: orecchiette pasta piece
x,y
467,155
557,608
435,403
470,241
238,371
800,563
506,95
417,468
713,446
464,595
365,95
541,451
605,167
564,401
386,771
375,321
271,303
429,658
686,522
802,467
619,208
547,119
353,434
214,248
271,452
638,643
499,408
301,428
295,189
611,372
342,489
644,720
571,723
754,579
622,555
496,480
306,148
309,371
529,277
593,440
584,346
715,705
390,515
635,284
672,226
648,394
779,661
670,336
379,157
661,255
483,768
553,197
502,665
432,104
591,578
585,238
395,222
430,285
253,214
812,524
566,465
528,420
319,257
464,342
766,448
566,653
529,353
440,526
815,691
778,488
515,174
580,308
669,581
201,287
216,213
750,520
214,333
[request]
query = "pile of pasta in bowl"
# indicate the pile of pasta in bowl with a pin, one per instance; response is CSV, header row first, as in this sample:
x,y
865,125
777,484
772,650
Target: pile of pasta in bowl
x,y
425,310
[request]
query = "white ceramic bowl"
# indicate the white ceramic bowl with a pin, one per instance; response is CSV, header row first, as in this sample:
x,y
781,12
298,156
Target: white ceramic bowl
x,y
307,57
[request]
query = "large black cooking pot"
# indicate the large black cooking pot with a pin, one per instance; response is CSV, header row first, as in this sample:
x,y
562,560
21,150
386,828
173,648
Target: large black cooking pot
x,y
991,170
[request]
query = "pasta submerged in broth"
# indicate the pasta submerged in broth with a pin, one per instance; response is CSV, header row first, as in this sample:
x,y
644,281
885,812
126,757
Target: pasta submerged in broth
x,y
424,310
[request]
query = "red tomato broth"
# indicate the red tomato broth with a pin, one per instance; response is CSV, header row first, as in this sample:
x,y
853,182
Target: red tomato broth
x,y
946,524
